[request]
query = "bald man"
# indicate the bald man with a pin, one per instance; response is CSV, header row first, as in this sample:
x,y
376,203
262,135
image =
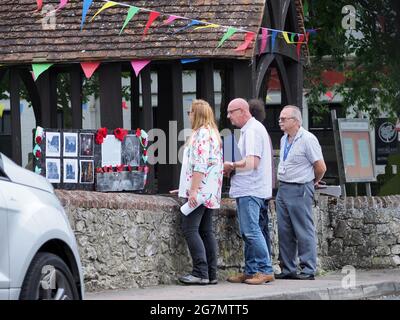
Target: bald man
x,y
250,186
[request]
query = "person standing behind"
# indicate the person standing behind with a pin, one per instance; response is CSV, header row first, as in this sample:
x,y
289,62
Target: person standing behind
x,y
257,110
250,186
201,180
301,167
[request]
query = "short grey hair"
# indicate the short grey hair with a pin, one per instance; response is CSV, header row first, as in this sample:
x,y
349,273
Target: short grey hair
x,y
296,113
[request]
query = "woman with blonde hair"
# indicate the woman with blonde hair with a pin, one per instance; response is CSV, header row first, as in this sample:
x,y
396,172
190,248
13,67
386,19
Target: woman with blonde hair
x,y
201,182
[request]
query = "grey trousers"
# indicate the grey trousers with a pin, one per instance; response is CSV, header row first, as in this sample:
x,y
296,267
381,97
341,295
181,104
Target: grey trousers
x,y
296,229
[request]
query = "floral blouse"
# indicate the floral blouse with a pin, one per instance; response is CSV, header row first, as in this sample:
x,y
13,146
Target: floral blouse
x,y
203,154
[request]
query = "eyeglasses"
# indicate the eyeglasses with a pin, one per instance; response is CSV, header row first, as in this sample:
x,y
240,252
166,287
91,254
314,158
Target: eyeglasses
x,y
189,112
283,119
232,111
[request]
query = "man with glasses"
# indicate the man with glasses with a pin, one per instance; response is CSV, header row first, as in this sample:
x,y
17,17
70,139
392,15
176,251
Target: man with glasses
x,y
301,167
250,186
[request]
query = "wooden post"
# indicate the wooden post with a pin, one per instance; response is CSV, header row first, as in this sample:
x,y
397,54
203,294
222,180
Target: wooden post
x,y
15,116
76,96
47,87
110,95
205,83
135,101
339,156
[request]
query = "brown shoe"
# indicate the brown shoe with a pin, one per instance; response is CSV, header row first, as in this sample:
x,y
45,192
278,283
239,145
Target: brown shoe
x,y
239,278
260,278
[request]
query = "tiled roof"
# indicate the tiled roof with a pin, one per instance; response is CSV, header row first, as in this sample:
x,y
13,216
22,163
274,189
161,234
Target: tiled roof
x,y
24,40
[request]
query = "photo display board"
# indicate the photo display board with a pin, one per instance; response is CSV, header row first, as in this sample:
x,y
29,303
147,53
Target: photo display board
x,y
72,160
356,150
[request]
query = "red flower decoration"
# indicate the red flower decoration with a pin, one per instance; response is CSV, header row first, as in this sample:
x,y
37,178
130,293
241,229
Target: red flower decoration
x,y
38,139
138,132
99,170
103,132
99,138
38,154
120,168
120,133
144,142
145,152
129,167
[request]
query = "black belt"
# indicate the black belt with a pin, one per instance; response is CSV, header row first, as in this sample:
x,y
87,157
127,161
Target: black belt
x,y
295,183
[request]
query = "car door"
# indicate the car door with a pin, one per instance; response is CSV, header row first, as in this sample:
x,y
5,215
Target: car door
x,y
4,245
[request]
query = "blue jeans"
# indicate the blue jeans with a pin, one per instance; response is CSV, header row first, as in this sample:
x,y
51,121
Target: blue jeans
x,y
256,255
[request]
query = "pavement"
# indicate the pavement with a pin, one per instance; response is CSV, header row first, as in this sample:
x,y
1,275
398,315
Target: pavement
x,y
330,286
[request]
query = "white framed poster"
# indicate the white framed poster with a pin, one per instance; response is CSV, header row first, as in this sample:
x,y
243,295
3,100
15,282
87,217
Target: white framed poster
x,y
70,171
70,144
53,144
53,172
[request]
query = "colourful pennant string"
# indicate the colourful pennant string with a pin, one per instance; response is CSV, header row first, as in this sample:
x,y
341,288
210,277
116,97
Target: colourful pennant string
x,y
191,24
104,7
152,16
170,20
39,5
273,38
131,13
184,61
86,6
285,36
138,65
89,68
264,37
229,33
212,25
300,42
247,40
39,68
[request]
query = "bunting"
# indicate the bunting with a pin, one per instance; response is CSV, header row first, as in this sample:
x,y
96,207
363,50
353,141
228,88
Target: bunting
x,y
39,5
184,61
152,16
207,26
170,19
39,68
89,68
300,42
131,13
247,40
138,65
191,24
229,33
107,5
264,37
86,6
1,110
273,38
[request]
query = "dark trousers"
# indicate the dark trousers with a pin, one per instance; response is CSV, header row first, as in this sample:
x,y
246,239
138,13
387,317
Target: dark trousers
x,y
197,229
264,225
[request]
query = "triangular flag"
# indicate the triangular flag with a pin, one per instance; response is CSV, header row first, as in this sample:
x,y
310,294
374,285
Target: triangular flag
x,y
184,61
39,68
86,6
273,38
152,16
39,5
299,43
89,68
170,20
285,36
138,65
264,37
62,4
229,33
1,110
212,25
247,40
131,13
107,5
292,37
192,23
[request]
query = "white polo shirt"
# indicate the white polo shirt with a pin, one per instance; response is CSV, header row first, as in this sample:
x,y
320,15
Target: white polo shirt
x,y
299,164
254,141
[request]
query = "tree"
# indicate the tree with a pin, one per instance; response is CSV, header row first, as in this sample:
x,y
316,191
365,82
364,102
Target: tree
x,y
369,56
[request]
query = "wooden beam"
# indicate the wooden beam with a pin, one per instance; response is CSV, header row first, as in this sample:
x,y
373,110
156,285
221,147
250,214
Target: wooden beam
x,y
47,87
2,73
261,72
16,150
135,101
295,75
33,93
242,77
286,92
147,118
110,95
75,74
205,83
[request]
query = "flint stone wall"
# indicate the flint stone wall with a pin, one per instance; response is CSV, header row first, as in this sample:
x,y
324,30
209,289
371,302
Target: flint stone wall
x,y
128,240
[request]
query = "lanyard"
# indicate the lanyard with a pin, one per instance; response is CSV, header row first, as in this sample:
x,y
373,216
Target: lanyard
x,y
287,148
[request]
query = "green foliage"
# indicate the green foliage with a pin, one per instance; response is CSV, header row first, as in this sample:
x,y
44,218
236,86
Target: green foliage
x,y
369,56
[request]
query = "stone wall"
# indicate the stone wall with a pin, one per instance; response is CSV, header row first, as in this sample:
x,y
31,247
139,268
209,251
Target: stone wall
x,y
129,240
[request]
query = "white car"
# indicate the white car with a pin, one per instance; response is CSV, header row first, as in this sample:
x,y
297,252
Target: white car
x,y
39,256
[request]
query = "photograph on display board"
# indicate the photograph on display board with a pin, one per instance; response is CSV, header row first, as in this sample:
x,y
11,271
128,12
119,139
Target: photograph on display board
x,y
70,171
70,144
53,170
53,144
131,151
86,171
86,143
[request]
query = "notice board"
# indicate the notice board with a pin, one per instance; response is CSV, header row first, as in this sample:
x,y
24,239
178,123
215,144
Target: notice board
x,y
356,149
